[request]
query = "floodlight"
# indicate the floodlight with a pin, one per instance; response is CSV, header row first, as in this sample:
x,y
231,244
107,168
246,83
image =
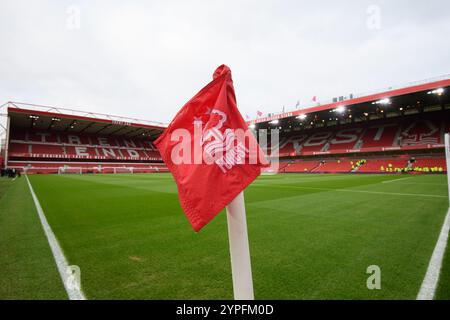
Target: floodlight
x,y
340,109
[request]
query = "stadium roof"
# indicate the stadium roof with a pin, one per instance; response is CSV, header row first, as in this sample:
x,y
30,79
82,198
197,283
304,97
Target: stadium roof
x,y
363,100
73,121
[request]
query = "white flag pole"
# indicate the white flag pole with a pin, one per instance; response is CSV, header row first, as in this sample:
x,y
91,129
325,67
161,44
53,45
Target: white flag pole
x,y
239,249
447,157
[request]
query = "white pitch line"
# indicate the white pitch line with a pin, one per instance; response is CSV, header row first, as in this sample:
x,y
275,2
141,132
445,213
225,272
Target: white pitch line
x,y
60,259
395,180
430,282
355,191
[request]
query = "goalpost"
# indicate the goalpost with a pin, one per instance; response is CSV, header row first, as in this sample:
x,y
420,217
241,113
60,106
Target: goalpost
x,y
431,280
66,170
447,159
80,170
123,170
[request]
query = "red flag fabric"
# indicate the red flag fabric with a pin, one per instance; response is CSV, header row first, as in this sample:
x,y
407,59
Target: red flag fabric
x,y
204,149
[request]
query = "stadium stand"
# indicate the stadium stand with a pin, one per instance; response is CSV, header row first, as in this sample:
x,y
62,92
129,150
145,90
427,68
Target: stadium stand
x,y
370,165
385,128
387,165
63,141
335,166
428,164
368,137
391,131
299,166
58,145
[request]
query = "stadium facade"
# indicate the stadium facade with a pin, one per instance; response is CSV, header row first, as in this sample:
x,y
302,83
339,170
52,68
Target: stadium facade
x,y
396,130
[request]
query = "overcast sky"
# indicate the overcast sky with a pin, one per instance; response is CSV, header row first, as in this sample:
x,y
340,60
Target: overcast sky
x,y
145,59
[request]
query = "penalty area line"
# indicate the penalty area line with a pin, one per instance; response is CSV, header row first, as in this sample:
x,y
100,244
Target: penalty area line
x,y
430,282
350,190
395,180
60,260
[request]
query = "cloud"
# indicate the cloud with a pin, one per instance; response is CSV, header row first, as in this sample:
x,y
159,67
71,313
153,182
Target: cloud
x,y
147,60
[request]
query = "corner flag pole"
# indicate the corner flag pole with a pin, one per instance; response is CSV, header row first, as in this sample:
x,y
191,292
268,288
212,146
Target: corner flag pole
x,y
239,249
447,157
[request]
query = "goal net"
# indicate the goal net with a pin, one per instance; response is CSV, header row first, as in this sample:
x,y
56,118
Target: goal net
x,y
123,170
66,170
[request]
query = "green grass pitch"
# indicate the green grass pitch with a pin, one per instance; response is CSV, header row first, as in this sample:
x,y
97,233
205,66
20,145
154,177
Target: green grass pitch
x,y
311,237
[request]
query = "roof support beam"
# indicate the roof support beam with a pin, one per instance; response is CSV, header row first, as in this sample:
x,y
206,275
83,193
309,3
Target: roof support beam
x,y
120,129
87,127
105,127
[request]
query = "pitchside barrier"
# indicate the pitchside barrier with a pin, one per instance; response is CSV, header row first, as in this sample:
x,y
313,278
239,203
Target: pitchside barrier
x,y
84,170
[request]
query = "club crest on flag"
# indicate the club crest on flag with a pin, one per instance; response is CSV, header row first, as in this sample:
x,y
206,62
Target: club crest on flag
x,y
222,147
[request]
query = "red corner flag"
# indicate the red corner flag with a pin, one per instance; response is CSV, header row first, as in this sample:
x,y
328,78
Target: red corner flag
x,y
210,151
